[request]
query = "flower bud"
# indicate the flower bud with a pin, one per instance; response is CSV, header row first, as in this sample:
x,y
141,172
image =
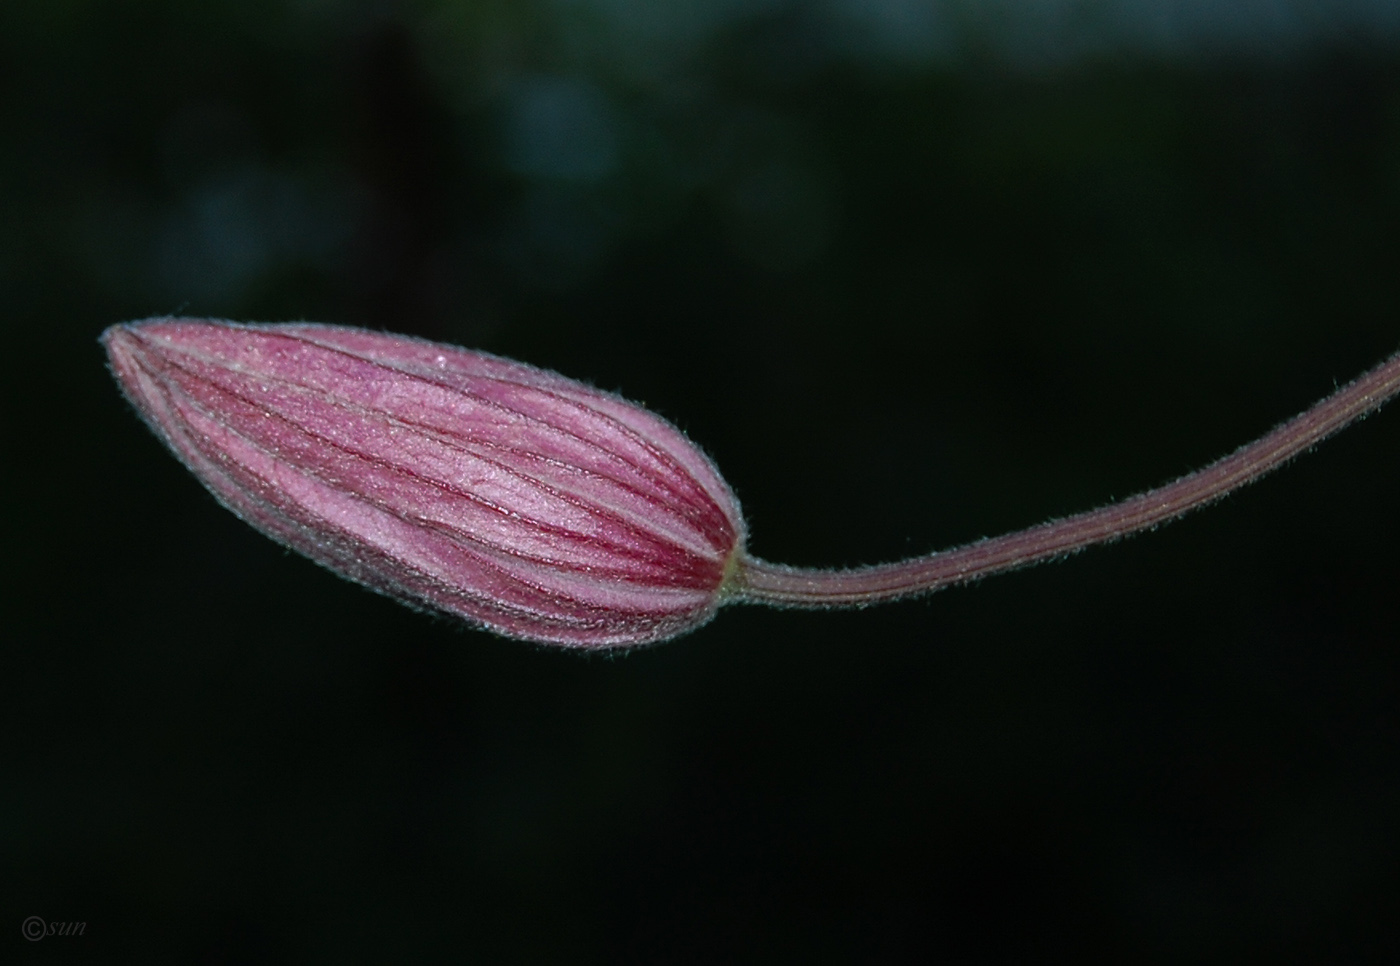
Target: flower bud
x,y
451,480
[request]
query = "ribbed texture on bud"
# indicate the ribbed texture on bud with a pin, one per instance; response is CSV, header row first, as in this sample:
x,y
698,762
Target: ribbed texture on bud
x,y
451,480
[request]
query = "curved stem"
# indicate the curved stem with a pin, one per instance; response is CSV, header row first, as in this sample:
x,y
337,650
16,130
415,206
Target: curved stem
x,y
762,582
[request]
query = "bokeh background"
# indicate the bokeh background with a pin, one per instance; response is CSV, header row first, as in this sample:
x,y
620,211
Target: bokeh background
x,y
913,272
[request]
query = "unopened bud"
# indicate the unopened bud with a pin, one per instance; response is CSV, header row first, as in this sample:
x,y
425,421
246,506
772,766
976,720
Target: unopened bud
x,y
451,480
537,506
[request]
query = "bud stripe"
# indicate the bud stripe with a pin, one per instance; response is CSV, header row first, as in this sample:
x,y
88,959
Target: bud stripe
x,y
714,513
425,591
320,537
711,513
700,574
713,526
465,444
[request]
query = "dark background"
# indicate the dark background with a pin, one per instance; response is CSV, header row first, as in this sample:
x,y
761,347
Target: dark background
x,y
912,274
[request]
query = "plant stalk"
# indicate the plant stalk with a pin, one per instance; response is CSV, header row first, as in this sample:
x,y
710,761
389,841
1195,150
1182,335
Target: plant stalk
x,y
758,581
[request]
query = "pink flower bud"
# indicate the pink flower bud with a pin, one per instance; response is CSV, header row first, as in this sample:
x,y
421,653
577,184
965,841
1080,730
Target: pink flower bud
x,y
536,506
450,480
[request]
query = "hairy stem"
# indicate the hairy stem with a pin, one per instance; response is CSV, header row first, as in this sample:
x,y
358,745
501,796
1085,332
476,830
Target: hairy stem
x,y
762,582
